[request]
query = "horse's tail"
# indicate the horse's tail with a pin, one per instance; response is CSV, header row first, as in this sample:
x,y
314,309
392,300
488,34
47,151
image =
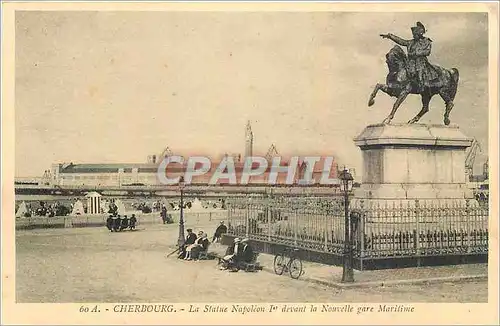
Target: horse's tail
x,y
454,82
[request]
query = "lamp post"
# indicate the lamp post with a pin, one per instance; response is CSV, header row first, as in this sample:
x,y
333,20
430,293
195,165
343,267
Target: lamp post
x,y
347,270
182,239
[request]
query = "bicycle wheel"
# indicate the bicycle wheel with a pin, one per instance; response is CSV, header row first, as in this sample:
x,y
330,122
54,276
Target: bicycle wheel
x,y
279,264
295,268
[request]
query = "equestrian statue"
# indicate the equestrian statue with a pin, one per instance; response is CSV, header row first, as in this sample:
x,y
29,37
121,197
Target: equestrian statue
x,y
413,74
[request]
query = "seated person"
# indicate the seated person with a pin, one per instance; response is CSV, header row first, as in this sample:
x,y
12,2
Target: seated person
x,y
124,224
201,245
190,239
196,243
232,254
109,223
133,220
117,222
221,229
247,252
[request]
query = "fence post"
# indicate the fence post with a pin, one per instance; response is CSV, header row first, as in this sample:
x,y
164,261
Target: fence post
x,y
417,226
361,232
268,215
327,212
295,226
247,226
229,224
467,220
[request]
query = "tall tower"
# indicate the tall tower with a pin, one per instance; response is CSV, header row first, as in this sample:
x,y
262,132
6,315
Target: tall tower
x,y
248,140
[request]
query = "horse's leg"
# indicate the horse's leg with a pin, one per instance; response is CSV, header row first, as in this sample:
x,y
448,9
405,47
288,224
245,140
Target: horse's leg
x,y
449,105
402,96
378,87
426,98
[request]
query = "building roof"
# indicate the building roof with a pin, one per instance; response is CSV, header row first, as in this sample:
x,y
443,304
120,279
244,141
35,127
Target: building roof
x,y
153,168
93,194
108,168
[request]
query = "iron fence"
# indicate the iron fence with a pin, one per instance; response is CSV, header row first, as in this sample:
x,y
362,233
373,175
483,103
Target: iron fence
x,y
422,228
308,223
399,229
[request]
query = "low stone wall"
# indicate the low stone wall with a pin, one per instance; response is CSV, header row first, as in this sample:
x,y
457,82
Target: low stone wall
x,y
100,220
42,223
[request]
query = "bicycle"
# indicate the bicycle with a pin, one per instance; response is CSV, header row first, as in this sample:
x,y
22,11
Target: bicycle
x,y
293,265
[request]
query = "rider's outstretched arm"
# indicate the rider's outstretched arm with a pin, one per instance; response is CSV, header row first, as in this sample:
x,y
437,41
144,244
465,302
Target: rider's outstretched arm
x,y
397,39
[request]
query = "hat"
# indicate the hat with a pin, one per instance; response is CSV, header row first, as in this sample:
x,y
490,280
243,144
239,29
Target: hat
x,y
189,230
244,240
419,28
221,222
237,239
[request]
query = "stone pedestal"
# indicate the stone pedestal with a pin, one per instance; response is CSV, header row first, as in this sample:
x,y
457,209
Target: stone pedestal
x,y
403,162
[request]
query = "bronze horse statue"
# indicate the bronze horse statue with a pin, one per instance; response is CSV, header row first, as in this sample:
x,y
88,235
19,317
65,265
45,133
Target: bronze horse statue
x,y
399,84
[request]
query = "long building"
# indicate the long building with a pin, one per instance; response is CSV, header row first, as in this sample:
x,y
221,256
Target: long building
x,y
146,174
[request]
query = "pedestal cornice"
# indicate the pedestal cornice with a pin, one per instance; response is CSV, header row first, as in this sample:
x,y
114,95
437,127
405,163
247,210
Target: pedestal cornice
x,y
412,135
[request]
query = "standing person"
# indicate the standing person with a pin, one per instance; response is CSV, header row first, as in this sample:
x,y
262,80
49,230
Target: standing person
x,y
221,229
190,239
163,214
113,209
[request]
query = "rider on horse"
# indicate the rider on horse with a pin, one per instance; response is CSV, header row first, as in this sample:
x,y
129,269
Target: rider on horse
x,y
412,74
421,72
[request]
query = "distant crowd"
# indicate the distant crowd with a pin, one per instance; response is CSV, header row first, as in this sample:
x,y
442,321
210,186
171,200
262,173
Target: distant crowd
x,y
43,209
482,197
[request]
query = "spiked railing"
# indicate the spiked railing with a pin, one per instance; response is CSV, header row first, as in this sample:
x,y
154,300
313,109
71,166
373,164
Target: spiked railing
x,y
409,228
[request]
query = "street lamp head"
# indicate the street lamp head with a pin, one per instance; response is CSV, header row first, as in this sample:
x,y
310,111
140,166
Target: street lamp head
x,y
346,180
181,182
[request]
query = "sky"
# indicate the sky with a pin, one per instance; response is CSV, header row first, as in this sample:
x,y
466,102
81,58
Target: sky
x,y
99,87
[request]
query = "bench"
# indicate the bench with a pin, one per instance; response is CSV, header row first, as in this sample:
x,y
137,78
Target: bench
x,y
251,266
203,254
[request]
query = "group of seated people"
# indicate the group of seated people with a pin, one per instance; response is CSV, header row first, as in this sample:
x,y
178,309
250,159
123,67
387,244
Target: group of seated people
x,y
239,252
115,223
194,245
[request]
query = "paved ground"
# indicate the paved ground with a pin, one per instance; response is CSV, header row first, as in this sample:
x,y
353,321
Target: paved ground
x,y
93,265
